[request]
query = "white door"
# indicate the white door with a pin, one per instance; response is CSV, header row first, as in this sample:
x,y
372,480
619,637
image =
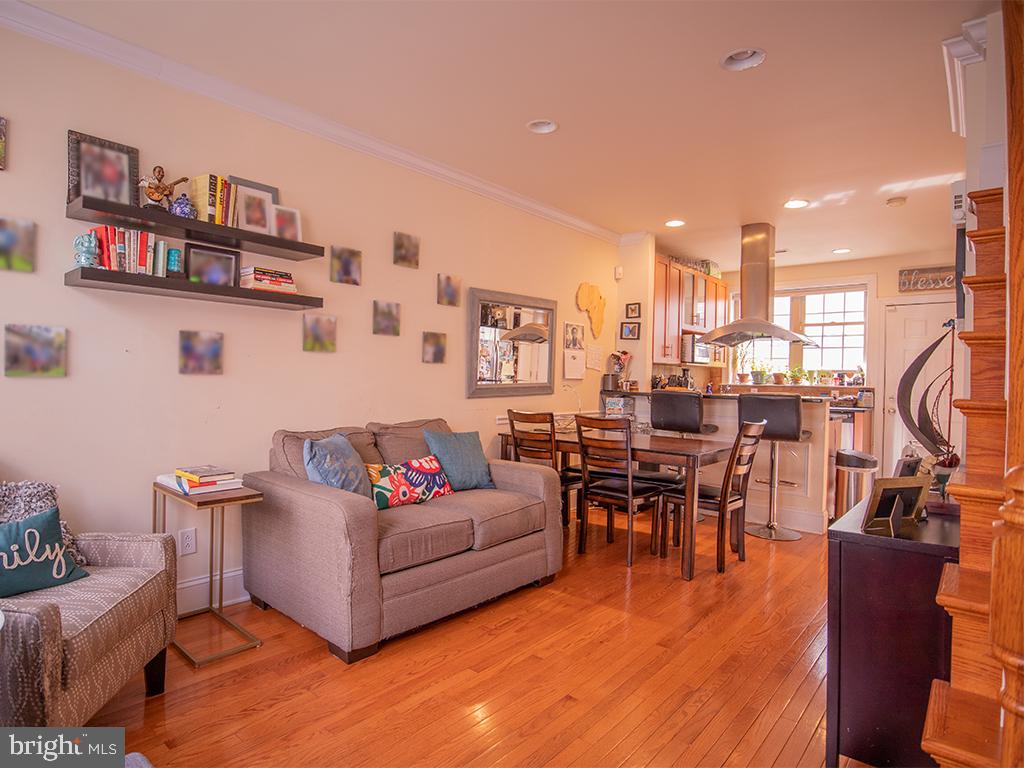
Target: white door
x,y
909,328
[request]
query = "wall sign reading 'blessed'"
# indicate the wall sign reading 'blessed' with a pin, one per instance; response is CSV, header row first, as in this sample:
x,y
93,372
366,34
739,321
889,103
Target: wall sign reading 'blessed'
x,y
927,279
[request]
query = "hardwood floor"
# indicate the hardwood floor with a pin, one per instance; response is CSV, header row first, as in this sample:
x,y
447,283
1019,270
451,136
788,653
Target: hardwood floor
x,y
604,667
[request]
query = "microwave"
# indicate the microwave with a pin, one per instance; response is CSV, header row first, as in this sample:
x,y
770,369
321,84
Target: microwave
x,y
694,351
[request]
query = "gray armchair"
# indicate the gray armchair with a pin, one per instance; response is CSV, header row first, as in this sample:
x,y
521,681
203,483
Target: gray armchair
x,y
65,651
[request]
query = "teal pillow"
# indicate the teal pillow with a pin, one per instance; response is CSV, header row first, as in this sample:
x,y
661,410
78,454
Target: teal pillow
x,y
333,461
462,458
33,555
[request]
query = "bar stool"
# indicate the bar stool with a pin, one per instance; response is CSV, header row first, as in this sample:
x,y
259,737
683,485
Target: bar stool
x,y
852,470
783,416
677,412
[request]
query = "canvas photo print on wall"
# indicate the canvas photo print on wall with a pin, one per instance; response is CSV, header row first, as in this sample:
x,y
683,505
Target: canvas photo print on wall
x,y
17,245
319,333
435,347
449,289
407,250
3,143
346,265
200,352
386,318
35,351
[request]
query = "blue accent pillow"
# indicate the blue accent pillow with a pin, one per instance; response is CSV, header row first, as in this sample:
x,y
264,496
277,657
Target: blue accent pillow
x,y
33,555
462,458
333,461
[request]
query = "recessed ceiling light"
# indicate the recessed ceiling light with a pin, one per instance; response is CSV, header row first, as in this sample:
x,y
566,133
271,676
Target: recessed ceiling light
x,y
674,223
841,251
896,202
744,58
542,126
795,204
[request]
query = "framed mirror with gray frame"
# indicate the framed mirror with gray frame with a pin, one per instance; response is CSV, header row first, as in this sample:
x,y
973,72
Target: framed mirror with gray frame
x,y
511,344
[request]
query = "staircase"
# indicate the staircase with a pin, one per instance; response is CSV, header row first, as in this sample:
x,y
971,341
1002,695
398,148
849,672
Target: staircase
x,y
962,727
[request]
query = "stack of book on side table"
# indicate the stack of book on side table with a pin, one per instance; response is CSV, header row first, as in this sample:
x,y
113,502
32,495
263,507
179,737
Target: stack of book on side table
x,y
204,478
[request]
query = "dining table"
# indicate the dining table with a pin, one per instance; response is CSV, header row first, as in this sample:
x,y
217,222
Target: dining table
x,y
673,449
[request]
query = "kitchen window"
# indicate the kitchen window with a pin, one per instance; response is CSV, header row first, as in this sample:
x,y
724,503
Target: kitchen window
x,y
834,319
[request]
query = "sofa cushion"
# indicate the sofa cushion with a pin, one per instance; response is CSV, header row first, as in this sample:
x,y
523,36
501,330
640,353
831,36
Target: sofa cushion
x,y
462,457
32,555
334,461
498,516
412,482
98,612
414,535
403,441
288,445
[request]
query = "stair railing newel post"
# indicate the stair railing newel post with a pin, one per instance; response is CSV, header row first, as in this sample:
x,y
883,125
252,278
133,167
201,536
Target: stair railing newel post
x,y
1007,615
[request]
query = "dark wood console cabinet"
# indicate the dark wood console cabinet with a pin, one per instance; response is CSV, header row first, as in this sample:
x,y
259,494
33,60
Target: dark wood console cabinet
x,y
887,637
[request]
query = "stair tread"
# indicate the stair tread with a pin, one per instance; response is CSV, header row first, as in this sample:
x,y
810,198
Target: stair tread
x,y
977,483
985,280
985,195
961,727
964,589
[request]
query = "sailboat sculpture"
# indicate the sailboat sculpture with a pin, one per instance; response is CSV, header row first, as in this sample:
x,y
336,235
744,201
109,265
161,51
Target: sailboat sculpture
x,y
926,424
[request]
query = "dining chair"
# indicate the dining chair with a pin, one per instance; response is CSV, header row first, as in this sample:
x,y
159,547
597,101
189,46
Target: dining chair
x,y
730,501
606,446
536,441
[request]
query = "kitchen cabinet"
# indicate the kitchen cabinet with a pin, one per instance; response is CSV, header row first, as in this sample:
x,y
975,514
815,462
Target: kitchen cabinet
x,y
686,301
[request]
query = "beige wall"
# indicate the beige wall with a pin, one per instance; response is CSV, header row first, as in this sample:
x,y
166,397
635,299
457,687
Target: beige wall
x,y
885,269
124,414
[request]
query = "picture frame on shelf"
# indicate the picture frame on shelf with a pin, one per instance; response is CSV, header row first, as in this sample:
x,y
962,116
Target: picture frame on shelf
x,y
633,311
255,210
102,169
274,192
212,266
895,502
629,331
286,223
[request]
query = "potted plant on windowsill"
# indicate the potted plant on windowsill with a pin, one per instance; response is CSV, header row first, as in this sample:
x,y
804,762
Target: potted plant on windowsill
x,y
797,375
778,377
758,372
741,358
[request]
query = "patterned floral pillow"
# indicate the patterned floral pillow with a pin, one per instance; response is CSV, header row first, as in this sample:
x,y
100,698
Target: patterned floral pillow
x,y
411,482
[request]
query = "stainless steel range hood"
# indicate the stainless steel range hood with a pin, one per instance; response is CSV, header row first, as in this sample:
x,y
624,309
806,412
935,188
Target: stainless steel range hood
x,y
757,293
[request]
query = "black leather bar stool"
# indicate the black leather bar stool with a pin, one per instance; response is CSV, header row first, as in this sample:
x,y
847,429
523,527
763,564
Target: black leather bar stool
x,y
679,412
852,470
783,416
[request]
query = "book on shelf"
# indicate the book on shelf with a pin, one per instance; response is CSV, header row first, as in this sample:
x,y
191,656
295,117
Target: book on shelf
x,y
203,192
204,473
190,488
263,279
130,250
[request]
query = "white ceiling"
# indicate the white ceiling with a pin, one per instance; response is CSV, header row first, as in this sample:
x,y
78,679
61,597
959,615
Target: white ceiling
x,y
850,101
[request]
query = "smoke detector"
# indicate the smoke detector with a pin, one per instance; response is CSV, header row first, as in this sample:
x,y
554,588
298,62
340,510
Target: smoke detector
x,y
542,127
896,202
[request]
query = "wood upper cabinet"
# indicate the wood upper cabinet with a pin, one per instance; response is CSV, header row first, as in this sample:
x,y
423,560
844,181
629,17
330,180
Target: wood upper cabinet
x,y
668,277
686,301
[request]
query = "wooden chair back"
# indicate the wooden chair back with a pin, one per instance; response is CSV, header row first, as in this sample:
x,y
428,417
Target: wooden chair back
x,y
610,450
533,443
741,459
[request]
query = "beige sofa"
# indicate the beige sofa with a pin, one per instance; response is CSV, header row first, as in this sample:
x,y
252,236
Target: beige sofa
x,y
355,575
66,650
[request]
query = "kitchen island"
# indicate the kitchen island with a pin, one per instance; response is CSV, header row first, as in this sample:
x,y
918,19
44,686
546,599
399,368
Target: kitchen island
x,y
804,505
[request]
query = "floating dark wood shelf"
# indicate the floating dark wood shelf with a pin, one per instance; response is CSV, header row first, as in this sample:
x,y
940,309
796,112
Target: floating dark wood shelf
x,y
104,279
155,220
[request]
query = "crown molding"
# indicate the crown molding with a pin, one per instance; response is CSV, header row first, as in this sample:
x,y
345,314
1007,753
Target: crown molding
x,y
56,30
957,53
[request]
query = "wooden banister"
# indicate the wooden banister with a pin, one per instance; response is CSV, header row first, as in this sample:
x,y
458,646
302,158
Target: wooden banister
x,y
1007,616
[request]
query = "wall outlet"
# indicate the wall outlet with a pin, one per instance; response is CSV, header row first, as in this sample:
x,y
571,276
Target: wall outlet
x,y
187,541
